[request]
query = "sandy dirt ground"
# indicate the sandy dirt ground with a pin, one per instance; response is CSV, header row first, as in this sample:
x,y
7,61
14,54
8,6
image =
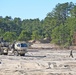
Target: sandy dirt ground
x,y
39,62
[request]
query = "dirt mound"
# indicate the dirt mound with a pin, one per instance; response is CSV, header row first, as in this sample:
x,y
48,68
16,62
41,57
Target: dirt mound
x,y
44,46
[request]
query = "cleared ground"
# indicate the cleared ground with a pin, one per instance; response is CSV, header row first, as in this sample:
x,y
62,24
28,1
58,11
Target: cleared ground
x,y
39,62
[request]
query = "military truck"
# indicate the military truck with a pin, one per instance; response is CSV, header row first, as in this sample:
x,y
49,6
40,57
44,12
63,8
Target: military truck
x,y
3,50
4,46
19,48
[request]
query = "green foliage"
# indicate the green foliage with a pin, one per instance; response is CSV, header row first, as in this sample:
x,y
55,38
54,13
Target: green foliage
x,y
1,32
24,36
9,36
35,35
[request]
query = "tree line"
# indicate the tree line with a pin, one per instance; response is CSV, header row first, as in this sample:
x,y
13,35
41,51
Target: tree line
x,y
59,26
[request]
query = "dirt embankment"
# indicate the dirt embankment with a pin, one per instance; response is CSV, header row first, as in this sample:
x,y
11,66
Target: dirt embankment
x,y
39,45
44,45
47,46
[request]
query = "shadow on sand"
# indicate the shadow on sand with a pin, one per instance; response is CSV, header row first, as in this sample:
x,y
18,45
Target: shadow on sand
x,y
34,56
